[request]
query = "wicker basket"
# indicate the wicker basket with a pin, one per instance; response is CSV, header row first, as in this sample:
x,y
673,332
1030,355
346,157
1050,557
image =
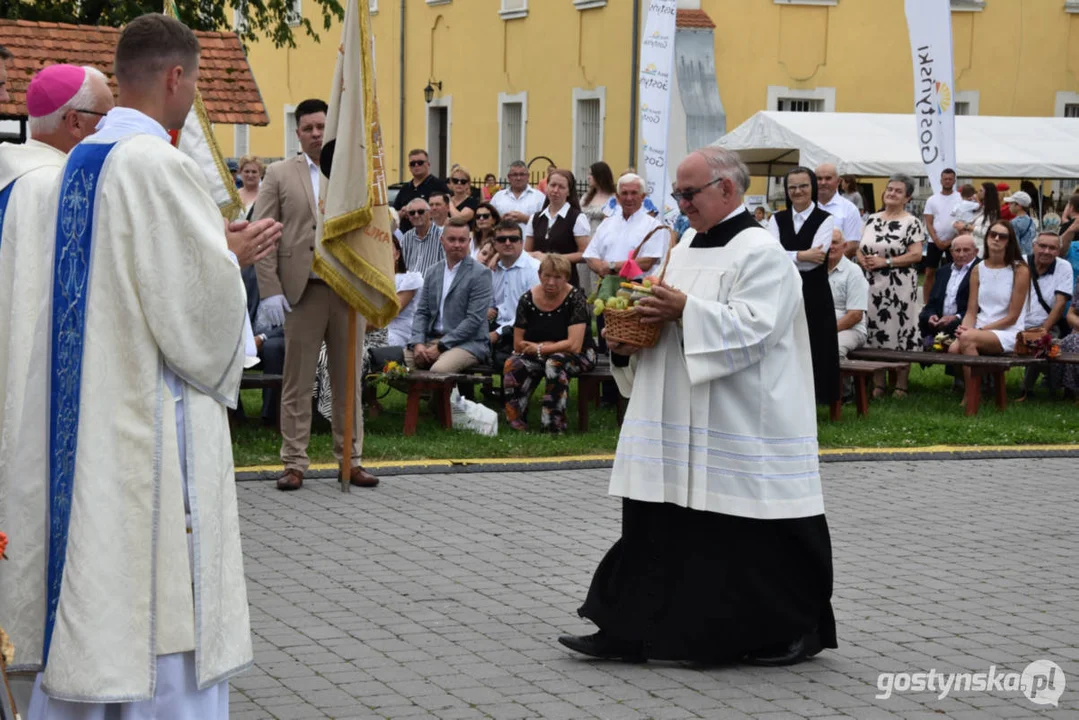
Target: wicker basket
x,y
625,326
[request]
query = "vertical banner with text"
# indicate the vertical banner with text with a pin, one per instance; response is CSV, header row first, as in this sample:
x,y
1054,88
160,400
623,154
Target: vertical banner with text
x,y
657,72
930,25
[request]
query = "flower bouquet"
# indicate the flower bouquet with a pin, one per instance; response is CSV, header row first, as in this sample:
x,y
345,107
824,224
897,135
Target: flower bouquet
x,y
942,342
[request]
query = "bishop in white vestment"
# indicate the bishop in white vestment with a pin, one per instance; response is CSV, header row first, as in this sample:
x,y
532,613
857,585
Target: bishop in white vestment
x,y
725,554
63,104
141,608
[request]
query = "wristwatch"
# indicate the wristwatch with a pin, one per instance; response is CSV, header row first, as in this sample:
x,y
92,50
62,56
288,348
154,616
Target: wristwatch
x,y
612,266
889,261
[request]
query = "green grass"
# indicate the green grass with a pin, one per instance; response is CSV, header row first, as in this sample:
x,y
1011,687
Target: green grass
x,y
930,415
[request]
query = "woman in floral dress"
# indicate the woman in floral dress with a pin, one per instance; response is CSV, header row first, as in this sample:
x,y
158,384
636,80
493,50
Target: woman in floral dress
x,y
889,254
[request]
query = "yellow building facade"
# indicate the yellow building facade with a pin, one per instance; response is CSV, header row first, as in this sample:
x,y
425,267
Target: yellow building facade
x,y
516,79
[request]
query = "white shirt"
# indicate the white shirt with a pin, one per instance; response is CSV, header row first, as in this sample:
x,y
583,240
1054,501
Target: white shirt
x,y
400,328
447,281
510,283
950,306
312,168
1060,279
821,239
850,291
528,202
580,227
940,206
845,216
616,237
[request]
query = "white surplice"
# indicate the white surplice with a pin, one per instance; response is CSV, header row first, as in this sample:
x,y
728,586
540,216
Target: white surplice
x,y
163,329
721,413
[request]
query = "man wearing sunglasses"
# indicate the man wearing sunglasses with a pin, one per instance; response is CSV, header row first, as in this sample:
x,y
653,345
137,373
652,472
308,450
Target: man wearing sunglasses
x,y
515,273
421,246
724,554
423,185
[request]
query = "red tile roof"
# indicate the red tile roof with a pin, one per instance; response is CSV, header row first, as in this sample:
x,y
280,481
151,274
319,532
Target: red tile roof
x,y
694,19
225,80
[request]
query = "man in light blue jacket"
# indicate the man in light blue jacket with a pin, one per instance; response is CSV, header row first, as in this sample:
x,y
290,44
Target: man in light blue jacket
x,y
449,331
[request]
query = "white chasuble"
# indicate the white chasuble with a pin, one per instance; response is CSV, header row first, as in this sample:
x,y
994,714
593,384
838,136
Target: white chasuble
x,y
142,290
721,413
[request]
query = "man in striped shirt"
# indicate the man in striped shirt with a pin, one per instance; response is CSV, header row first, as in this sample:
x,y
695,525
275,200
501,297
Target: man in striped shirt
x,y
422,244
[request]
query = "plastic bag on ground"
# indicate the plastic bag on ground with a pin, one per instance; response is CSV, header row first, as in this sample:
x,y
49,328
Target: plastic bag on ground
x,y
468,415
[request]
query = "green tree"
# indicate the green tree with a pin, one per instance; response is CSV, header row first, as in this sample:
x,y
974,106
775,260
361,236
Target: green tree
x,y
262,18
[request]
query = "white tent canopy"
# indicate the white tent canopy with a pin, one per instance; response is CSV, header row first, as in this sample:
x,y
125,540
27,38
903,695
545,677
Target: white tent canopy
x,y
872,145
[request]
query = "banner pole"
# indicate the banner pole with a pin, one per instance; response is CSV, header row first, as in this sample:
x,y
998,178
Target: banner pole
x,y
350,403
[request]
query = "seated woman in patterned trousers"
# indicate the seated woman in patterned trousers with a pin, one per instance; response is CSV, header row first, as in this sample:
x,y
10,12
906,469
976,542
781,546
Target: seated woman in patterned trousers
x,y
551,339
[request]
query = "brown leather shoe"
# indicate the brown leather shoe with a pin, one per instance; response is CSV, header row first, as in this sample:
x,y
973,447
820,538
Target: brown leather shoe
x,y
361,478
291,480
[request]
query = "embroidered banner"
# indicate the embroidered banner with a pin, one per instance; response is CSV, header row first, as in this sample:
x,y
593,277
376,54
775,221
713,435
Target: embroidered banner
x,y
657,70
930,25
70,283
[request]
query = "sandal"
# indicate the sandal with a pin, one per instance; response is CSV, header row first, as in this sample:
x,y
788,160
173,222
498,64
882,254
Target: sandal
x,y
899,393
878,392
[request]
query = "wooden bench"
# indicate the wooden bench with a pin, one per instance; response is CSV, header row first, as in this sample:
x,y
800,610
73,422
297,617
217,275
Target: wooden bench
x,y
980,366
860,371
257,381
440,386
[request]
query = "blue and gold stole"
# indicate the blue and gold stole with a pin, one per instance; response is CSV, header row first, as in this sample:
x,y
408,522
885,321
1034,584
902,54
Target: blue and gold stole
x,y
70,286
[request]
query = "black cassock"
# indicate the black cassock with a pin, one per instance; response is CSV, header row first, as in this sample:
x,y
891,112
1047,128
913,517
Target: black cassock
x,y
685,584
819,307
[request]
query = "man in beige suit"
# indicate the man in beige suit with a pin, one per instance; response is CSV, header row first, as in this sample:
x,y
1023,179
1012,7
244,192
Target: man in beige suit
x,y
311,312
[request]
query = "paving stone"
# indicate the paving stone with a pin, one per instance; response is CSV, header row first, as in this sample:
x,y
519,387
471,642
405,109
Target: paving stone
x,y
441,596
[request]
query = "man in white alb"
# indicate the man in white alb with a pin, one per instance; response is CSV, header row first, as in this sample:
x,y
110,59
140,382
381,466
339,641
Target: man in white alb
x,y
151,336
725,554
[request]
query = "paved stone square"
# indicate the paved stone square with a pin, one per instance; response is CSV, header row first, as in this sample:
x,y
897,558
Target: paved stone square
x,y
440,596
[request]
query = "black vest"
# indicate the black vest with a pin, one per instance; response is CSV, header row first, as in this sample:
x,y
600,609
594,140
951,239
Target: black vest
x,y
558,238
803,239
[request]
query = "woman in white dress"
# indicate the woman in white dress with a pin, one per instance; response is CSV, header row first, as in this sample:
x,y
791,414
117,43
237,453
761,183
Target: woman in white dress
x,y
251,170
998,296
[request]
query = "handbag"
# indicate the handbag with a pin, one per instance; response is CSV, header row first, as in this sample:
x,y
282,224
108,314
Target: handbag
x,y
380,356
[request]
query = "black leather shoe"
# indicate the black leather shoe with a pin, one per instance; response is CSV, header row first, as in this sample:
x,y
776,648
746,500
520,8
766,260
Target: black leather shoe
x,y
790,653
598,645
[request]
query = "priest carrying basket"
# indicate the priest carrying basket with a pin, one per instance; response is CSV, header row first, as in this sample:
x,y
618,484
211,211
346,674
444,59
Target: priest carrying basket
x,y
625,326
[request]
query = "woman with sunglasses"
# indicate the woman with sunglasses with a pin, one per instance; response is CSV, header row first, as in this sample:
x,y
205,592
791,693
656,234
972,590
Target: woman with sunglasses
x,y
561,227
483,229
889,254
462,204
998,297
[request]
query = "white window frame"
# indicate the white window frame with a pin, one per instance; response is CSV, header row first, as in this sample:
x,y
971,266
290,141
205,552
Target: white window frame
x,y
291,141
372,6
241,140
438,2
239,22
777,93
444,101
512,13
294,16
827,3
589,4
1071,6
968,5
971,97
600,93
503,99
